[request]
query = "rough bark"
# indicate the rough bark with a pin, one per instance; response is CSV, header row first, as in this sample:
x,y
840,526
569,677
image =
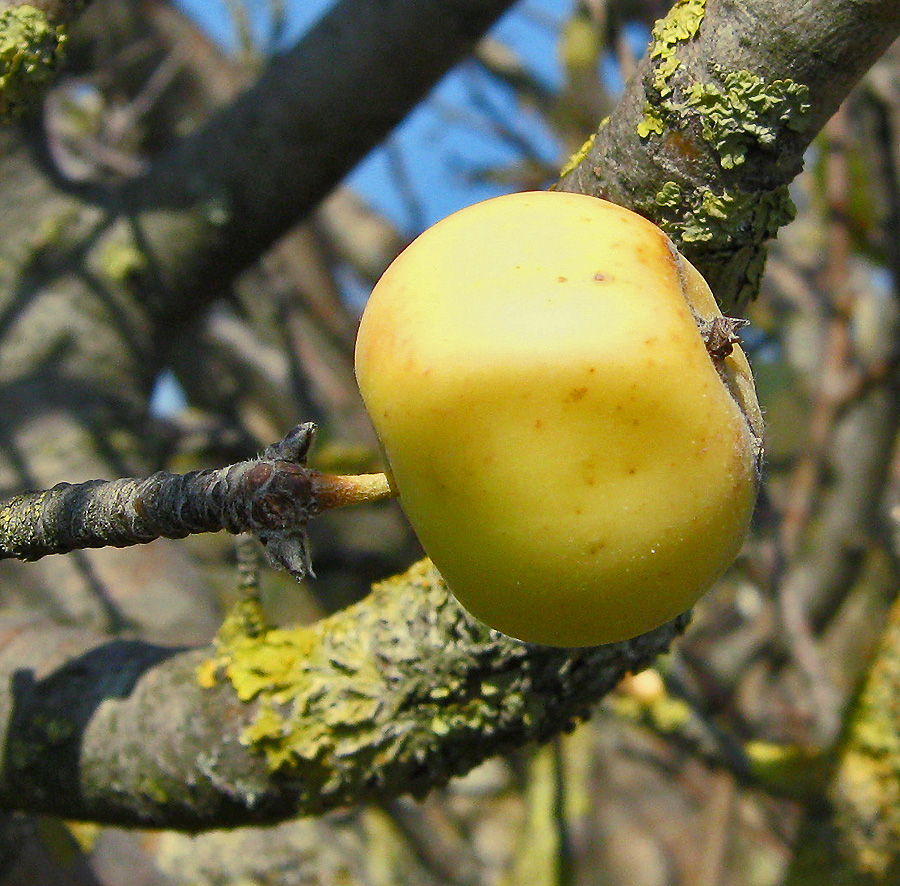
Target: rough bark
x,y
350,709
714,125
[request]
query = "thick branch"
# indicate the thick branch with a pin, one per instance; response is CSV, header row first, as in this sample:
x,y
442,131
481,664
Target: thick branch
x,y
714,124
224,196
349,709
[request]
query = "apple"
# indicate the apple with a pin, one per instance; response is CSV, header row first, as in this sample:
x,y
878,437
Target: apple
x,y
576,460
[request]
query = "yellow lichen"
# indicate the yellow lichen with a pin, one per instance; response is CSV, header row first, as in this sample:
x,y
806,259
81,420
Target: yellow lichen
x,y
866,788
579,155
30,53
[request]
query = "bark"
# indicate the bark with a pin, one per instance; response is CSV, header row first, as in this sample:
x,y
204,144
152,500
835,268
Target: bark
x,y
714,125
350,709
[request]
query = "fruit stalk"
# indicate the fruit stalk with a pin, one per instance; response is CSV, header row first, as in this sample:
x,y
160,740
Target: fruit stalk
x,y
335,491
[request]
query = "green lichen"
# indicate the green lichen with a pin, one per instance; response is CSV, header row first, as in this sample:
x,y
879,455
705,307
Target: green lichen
x,y
867,783
680,25
749,217
579,155
669,196
724,233
153,791
652,121
320,697
121,261
735,109
30,54
746,110
352,706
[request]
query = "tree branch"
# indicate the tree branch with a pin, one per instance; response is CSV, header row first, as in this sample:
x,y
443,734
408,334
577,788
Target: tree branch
x,y
349,709
272,496
222,197
715,123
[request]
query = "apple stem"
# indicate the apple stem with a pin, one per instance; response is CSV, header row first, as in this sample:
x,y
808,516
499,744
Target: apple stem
x,y
335,491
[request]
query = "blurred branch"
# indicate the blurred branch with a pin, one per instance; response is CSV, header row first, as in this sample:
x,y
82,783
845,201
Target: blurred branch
x,y
782,770
544,854
834,368
853,835
222,197
865,785
357,234
806,608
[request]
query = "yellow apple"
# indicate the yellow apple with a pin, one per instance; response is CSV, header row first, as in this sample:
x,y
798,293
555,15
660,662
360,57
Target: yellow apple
x,y
574,461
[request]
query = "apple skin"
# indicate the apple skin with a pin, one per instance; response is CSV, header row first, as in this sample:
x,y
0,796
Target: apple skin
x,y
573,461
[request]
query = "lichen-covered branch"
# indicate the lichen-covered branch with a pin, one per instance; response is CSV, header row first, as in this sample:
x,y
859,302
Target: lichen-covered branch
x,y
293,721
713,127
272,496
865,789
32,39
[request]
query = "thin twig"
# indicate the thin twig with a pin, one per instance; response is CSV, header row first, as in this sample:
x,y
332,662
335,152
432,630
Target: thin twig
x,y
272,496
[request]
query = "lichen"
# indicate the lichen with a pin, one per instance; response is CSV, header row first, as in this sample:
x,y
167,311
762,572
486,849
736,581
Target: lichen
x,y
866,791
352,706
680,25
735,109
669,196
320,695
724,233
732,216
121,261
746,110
30,53
579,155
652,121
